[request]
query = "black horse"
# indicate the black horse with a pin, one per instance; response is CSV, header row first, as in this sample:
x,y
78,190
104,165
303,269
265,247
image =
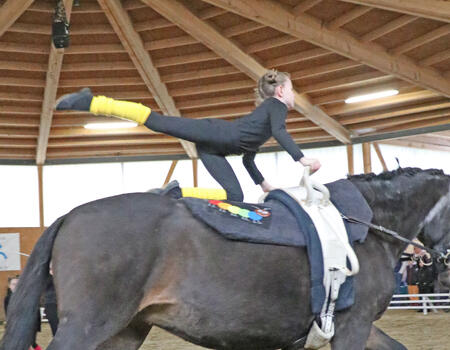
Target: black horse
x,y
435,234
125,263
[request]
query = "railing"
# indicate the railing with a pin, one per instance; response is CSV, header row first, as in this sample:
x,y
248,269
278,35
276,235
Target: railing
x,y
425,302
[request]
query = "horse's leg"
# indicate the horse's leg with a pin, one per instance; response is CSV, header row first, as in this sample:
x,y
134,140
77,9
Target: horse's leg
x,y
88,333
130,338
378,340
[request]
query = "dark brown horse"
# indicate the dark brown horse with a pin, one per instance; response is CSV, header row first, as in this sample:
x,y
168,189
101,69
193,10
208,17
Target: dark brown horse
x,y
125,263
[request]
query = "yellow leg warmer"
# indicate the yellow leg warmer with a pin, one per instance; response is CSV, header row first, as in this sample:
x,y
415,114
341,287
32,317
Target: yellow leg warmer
x,y
204,193
121,109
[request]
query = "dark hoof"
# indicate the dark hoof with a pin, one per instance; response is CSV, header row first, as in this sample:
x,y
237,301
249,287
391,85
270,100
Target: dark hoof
x,y
78,101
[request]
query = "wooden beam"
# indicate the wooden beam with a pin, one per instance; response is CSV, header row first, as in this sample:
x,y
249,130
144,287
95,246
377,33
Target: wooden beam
x,y
11,11
309,28
195,172
435,9
366,158
170,172
380,156
350,160
421,40
51,86
208,35
387,28
132,42
41,195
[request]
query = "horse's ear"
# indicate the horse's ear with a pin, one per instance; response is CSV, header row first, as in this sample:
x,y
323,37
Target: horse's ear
x,y
398,163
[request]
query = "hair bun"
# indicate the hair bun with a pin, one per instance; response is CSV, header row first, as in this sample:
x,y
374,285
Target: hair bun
x,y
271,76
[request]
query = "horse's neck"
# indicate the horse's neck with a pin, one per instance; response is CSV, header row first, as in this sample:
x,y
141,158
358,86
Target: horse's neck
x,y
402,204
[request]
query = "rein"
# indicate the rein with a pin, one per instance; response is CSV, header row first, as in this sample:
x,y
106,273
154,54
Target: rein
x,y
444,257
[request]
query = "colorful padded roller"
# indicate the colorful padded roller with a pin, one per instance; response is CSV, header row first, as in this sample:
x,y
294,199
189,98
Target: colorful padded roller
x,y
233,209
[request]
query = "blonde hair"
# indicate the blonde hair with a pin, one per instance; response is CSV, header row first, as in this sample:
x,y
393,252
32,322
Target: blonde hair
x,y
268,83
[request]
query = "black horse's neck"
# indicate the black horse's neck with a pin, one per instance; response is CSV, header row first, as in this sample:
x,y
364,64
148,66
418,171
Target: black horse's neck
x,y
402,199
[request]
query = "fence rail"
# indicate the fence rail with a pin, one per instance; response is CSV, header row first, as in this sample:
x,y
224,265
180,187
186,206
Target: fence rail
x,y
425,302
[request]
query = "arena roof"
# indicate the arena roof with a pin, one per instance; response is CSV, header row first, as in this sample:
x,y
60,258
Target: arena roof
x,y
201,58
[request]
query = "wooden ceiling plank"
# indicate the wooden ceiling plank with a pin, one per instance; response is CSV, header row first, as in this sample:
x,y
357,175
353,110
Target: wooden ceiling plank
x,y
324,69
417,124
51,86
205,33
242,28
11,11
383,102
347,17
23,66
161,23
199,74
349,81
270,43
434,9
387,28
408,118
310,29
436,58
304,6
298,57
24,48
131,40
413,144
421,40
343,95
393,112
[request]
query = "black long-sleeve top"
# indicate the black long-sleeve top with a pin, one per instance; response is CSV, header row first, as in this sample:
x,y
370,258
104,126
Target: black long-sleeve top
x,y
268,119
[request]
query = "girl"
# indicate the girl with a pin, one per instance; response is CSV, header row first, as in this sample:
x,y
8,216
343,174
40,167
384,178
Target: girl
x,y
215,138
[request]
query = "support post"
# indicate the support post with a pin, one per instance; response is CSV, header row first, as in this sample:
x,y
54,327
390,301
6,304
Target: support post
x,y
380,156
195,171
170,173
350,161
366,158
41,196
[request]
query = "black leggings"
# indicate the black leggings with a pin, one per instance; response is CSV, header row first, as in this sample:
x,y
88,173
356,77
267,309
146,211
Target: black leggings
x,y
213,139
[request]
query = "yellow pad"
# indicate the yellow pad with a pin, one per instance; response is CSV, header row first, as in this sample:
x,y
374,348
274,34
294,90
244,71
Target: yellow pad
x,y
204,193
121,109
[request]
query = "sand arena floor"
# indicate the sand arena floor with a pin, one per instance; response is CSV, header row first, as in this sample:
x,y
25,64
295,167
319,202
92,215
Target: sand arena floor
x,y
415,330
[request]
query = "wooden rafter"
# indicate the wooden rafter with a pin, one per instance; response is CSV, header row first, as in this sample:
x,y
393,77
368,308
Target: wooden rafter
x,y
310,29
132,42
10,12
51,86
205,33
434,9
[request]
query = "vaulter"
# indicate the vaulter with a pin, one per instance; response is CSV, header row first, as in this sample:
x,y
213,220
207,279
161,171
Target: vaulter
x,y
215,138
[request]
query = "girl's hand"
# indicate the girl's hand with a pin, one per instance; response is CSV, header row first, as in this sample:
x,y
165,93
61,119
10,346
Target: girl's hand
x,y
266,187
312,162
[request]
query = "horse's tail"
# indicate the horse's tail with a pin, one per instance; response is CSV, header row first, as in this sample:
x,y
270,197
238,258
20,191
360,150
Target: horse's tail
x,y
24,305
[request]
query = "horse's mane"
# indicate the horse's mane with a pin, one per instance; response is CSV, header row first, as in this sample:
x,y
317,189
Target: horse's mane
x,y
389,175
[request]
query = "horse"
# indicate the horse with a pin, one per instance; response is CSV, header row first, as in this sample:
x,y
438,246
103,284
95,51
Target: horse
x,y
126,263
435,233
